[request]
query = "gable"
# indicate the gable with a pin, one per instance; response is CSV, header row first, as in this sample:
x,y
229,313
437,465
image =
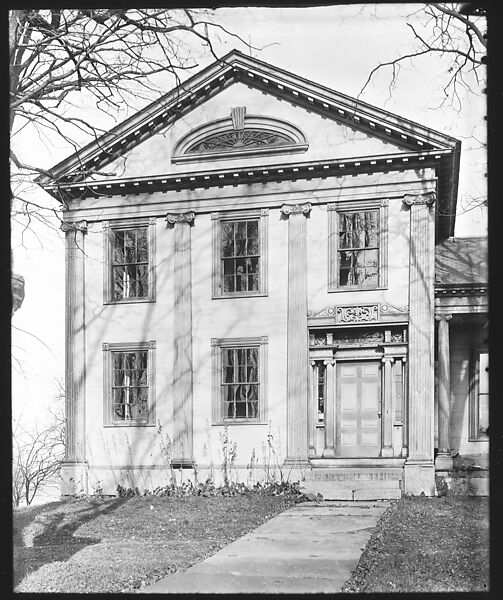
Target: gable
x,y
68,178
322,138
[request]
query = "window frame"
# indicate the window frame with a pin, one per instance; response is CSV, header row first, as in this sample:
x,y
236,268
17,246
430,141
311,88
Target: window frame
x,y
109,229
108,412
474,434
218,276
335,210
217,347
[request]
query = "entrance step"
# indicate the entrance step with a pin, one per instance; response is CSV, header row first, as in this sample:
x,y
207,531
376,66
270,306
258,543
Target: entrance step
x,y
361,474
354,489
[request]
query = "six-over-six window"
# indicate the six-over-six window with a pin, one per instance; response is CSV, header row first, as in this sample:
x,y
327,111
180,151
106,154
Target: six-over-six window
x,y
240,257
129,274
358,248
129,379
239,368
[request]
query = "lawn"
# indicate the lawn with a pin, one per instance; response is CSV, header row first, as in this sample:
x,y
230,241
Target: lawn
x,y
427,545
123,544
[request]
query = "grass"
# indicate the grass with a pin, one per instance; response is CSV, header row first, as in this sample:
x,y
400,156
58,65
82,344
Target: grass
x,y
121,544
427,545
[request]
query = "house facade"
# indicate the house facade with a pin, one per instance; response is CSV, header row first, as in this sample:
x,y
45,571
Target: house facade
x,y
251,285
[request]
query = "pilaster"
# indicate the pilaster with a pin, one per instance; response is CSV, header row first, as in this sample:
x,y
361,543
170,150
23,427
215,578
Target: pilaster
x,y
74,468
297,335
443,462
387,412
329,450
182,340
419,468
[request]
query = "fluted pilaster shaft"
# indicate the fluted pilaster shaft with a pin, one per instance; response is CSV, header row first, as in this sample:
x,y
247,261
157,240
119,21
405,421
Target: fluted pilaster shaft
x,y
297,336
387,412
421,336
75,451
182,340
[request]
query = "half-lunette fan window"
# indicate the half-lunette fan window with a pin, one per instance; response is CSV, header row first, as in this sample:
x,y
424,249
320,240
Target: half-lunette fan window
x,y
240,383
240,134
358,248
244,139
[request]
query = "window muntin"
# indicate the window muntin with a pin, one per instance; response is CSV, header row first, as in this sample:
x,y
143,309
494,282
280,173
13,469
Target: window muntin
x,y
358,249
240,258
130,385
130,263
240,383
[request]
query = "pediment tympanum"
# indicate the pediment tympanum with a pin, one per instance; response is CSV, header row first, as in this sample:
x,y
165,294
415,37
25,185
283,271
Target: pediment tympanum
x,y
239,133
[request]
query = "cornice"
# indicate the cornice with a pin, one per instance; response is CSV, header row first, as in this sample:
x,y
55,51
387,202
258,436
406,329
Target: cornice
x,y
240,175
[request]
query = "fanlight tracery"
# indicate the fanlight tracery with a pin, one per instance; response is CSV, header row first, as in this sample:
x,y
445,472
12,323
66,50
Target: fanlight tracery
x,y
246,139
241,133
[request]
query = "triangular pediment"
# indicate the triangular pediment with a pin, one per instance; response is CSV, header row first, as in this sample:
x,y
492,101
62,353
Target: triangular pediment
x,y
356,127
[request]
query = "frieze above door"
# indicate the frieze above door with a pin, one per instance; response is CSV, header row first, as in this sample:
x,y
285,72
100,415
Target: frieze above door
x,y
359,313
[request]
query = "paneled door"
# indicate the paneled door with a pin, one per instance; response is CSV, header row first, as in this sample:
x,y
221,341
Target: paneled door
x,y
358,409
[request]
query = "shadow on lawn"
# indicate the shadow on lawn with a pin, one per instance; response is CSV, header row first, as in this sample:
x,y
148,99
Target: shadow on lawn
x,y
41,539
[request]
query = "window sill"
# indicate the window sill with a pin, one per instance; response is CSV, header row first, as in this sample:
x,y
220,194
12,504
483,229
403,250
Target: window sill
x,y
130,301
485,438
236,422
355,288
227,296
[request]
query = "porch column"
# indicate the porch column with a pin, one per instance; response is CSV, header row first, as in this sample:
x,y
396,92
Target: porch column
x,y
297,335
74,466
330,410
182,340
387,412
419,470
443,461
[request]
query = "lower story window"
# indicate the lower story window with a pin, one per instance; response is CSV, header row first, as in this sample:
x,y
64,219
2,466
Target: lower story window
x,y
480,395
128,383
239,374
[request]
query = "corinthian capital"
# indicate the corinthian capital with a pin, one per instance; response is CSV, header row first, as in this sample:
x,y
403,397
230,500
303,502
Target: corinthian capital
x,y
418,199
77,226
296,209
187,217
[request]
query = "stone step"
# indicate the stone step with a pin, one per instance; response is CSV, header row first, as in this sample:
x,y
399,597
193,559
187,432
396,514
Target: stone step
x,y
354,489
361,474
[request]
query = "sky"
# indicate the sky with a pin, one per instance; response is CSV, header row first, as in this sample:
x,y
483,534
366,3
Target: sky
x,y
336,46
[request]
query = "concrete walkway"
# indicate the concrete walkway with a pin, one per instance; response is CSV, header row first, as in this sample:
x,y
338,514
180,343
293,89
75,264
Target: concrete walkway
x,y
309,548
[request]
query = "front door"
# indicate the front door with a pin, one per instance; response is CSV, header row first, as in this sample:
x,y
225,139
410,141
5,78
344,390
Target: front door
x,y
358,409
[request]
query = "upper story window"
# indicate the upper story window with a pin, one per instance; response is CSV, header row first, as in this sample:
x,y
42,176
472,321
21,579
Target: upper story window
x,y
129,257
357,245
358,248
239,135
240,253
